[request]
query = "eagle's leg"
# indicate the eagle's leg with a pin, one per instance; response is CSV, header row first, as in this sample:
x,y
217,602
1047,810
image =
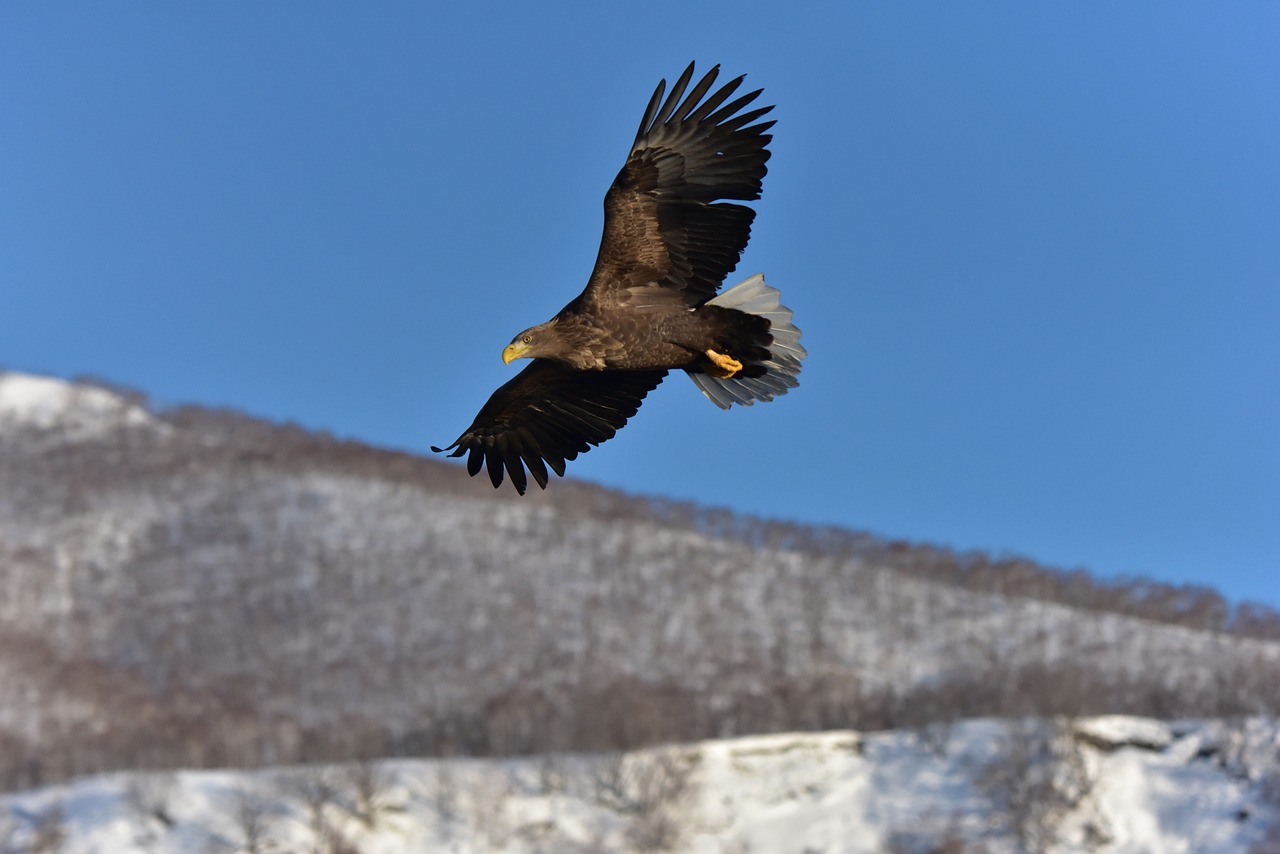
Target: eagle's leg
x,y
722,366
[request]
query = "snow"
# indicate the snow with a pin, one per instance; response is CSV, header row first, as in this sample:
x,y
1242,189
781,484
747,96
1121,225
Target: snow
x,y
796,792
1115,731
45,403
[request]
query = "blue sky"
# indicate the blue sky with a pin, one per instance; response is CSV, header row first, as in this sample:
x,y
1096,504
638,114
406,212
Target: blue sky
x,y
1034,248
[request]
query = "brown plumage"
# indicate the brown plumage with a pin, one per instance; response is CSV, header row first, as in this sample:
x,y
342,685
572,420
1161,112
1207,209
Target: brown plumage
x,y
650,305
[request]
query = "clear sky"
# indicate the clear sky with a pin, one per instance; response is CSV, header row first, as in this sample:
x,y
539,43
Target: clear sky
x,y
1034,248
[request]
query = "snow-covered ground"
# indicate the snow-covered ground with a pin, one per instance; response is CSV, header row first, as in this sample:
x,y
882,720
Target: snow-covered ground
x,y
1105,785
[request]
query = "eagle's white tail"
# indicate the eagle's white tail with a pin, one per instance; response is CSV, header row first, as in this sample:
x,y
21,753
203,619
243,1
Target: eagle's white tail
x,y
753,296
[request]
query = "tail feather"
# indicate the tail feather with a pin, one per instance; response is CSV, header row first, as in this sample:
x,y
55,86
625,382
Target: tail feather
x,y
753,296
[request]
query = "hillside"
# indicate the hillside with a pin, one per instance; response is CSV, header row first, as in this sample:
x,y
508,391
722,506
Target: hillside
x,y
193,588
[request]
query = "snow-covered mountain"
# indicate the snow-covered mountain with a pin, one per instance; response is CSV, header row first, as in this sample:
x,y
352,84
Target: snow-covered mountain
x,y
1107,785
196,588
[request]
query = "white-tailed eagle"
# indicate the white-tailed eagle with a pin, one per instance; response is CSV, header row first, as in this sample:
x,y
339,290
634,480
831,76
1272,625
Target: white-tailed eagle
x,y
650,306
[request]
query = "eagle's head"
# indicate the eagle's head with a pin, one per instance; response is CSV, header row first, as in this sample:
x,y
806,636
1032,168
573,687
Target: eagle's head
x,y
536,342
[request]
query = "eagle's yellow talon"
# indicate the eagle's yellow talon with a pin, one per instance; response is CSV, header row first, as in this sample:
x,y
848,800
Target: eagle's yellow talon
x,y
722,366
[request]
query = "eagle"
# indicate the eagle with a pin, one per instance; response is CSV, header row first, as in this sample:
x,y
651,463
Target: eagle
x,y
673,229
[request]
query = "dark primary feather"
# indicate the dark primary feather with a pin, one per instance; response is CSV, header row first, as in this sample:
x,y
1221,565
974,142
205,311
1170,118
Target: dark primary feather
x,y
547,414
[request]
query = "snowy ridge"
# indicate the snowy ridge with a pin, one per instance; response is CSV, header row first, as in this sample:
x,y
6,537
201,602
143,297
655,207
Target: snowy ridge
x,y
1211,789
79,411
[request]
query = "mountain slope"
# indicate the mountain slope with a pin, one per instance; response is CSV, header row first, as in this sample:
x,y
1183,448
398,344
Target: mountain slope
x,y
198,588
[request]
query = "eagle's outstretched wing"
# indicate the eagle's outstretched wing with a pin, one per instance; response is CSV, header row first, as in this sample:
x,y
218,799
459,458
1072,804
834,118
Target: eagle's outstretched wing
x,y
547,414
664,220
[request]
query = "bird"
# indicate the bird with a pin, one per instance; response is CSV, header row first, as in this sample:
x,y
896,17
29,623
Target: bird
x,y
674,228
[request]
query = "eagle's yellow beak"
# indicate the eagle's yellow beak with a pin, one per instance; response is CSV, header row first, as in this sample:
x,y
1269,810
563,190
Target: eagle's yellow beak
x,y
514,351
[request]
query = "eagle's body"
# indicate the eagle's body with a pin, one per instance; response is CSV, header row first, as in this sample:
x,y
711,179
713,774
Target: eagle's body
x,y
650,305
674,336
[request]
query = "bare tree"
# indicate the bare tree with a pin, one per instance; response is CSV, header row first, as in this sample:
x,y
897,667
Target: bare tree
x,y
1037,774
315,788
368,783
147,796
252,813
652,789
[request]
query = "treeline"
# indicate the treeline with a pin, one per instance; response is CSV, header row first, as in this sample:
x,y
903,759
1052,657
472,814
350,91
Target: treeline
x,y
1193,606
134,728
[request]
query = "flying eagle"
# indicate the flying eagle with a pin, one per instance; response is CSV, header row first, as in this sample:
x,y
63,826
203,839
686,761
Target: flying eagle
x,y
650,305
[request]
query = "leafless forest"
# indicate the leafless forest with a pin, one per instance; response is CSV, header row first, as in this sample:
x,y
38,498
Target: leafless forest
x,y
204,589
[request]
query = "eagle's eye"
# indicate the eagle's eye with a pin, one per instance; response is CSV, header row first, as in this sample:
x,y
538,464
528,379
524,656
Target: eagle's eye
x,y
528,339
